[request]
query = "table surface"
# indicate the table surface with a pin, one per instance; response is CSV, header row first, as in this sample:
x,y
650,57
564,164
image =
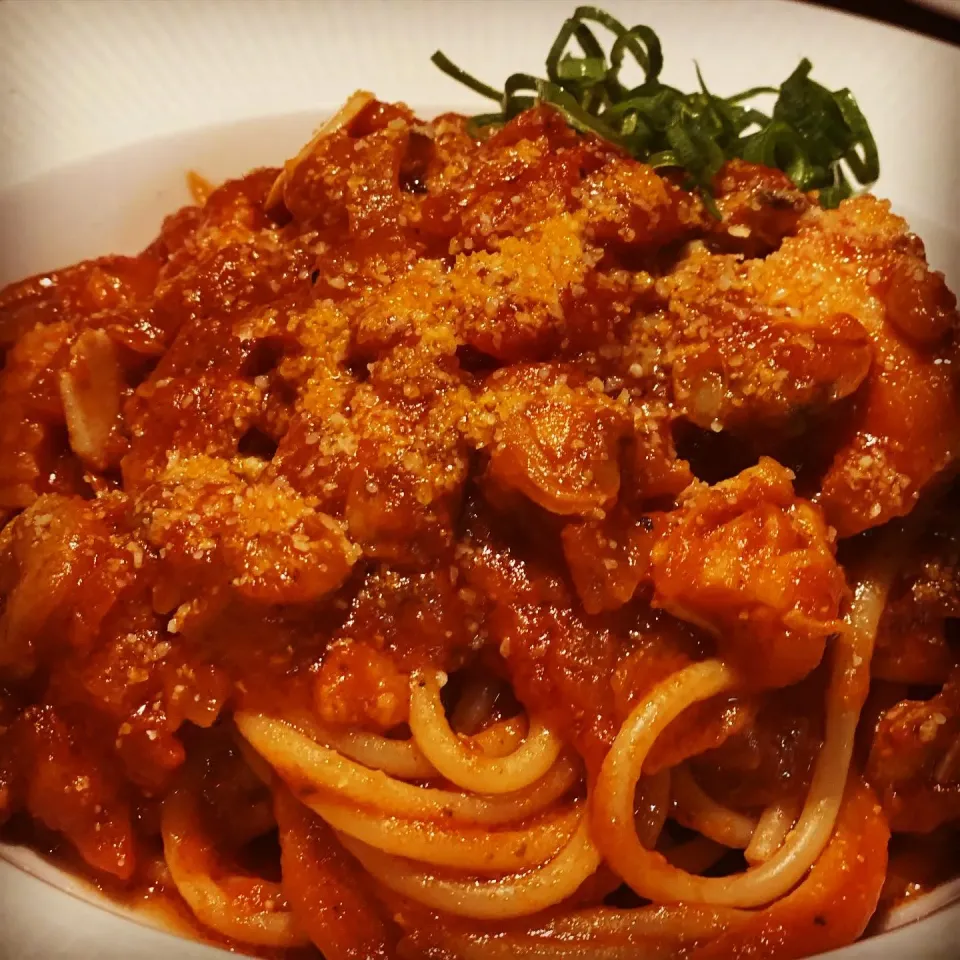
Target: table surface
x,y
903,13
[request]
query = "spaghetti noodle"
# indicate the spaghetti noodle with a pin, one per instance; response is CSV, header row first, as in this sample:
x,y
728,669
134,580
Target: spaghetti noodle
x,y
469,770
247,910
393,553
649,875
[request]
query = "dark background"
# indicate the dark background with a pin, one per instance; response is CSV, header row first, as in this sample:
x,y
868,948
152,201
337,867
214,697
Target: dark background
x,y
901,13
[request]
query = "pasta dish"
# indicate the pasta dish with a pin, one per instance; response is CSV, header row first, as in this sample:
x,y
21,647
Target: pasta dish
x,y
481,539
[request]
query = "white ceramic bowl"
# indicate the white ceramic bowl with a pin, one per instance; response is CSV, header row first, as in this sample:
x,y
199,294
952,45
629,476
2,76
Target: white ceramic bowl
x,y
105,105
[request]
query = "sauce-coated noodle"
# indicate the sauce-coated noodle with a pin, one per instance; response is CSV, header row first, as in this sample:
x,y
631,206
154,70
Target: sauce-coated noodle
x,y
500,899
647,873
244,909
468,768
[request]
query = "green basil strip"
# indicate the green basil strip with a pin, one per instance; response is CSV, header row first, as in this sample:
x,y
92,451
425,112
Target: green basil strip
x,y
818,137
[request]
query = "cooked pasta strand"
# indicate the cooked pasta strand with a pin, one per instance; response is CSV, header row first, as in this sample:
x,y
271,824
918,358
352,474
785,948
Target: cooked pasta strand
x,y
465,767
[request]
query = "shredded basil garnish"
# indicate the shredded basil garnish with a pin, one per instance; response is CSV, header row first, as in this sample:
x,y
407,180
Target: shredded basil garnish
x,y
818,137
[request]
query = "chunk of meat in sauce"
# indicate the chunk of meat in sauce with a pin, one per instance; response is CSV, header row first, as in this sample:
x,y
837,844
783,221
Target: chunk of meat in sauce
x,y
536,294
730,357
64,562
386,454
912,644
70,785
629,206
753,564
759,207
355,193
360,686
79,590
93,292
351,176
317,451
914,761
652,470
551,437
403,497
205,416
399,622
142,684
533,295
225,257
222,375
218,529
414,309
609,559
525,173
859,260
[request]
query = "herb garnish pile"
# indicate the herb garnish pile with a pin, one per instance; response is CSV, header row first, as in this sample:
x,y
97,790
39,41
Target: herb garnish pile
x,y
818,137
